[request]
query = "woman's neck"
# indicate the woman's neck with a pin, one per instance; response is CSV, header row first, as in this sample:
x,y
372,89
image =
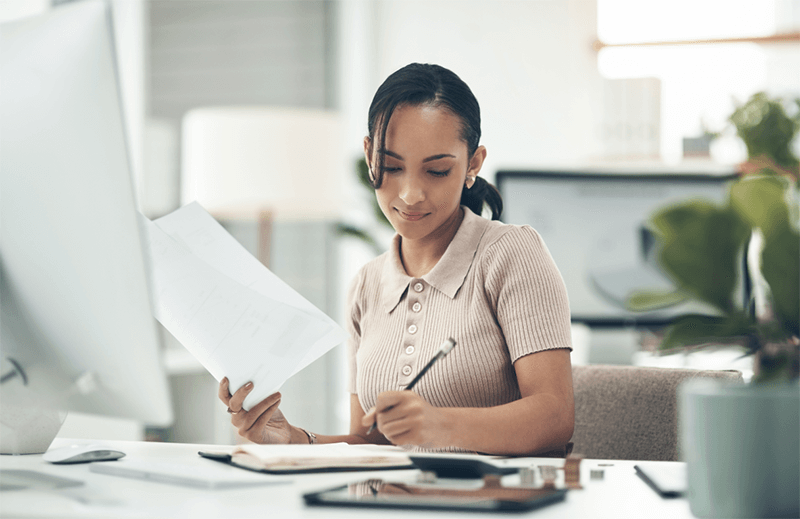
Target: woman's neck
x,y
420,256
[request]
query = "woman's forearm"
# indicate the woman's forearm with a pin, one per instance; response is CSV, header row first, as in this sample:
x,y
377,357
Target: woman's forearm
x,y
532,424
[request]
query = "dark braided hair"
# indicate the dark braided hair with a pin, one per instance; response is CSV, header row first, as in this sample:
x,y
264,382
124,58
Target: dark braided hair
x,y
417,84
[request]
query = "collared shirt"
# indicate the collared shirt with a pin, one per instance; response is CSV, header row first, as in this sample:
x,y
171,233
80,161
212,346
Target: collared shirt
x,y
496,291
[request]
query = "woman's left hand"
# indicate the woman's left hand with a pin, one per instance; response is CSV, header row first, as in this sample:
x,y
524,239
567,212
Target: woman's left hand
x,y
404,418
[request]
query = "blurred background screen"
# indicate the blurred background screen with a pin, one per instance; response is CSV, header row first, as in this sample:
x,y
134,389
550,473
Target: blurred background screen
x,y
595,226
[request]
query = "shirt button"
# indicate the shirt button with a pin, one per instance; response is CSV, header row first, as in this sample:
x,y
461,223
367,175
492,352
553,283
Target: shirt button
x,y
417,307
409,350
406,370
418,287
412,328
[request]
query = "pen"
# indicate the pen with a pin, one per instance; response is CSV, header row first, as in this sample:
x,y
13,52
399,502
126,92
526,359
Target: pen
x,y
444,349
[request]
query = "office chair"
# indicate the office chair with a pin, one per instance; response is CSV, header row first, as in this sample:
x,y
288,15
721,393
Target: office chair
x,y
630,412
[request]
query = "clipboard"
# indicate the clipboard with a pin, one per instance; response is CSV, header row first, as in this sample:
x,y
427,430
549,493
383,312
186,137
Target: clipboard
x,y
491,497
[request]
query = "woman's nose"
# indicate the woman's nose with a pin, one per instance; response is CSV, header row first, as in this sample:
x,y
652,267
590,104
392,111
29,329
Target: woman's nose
x,y
412,192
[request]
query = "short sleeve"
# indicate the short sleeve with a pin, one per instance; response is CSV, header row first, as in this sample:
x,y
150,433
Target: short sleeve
x,y
353,325
529,294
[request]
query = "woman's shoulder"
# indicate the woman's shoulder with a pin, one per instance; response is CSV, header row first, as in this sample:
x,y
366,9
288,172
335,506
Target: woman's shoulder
x,y
504,237
517,254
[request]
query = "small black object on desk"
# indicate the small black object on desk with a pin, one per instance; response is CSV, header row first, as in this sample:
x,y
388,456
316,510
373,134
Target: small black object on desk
x,y
459,468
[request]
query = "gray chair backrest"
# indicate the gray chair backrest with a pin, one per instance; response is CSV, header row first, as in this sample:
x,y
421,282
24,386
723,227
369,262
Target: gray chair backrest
x,y
630,412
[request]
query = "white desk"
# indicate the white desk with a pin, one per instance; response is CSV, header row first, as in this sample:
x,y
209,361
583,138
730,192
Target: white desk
x,y
620,494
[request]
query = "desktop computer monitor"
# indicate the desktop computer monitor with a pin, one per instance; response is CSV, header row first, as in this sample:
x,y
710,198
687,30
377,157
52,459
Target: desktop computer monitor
x,y
76,330
594,222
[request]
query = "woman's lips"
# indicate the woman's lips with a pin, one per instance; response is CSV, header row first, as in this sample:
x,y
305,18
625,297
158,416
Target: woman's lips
x,y
411,216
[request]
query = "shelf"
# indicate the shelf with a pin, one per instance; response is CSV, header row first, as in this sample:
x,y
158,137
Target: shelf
x,y
789,37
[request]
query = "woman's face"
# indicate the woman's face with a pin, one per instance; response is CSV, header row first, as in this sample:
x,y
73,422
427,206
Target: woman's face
x,y
425,167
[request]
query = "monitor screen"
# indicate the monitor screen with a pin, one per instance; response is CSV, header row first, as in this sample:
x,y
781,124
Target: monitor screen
x,y
77,324
593,223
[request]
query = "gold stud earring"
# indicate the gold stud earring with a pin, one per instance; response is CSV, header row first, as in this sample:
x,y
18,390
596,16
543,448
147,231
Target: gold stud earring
x,y
470,182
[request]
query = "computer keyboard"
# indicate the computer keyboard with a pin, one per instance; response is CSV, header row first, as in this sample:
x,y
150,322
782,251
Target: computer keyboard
x,y
191,473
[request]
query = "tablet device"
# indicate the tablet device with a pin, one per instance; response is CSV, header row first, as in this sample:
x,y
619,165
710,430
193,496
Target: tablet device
x,y
377,493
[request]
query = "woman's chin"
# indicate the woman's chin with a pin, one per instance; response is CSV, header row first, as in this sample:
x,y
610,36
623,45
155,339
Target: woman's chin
x,y
412,230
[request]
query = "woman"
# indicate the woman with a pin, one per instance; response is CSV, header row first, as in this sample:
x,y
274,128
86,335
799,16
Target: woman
x,y
507,386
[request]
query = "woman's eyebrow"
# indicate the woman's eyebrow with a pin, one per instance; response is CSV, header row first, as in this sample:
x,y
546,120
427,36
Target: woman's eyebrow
x,y
437,157
392,154
428,159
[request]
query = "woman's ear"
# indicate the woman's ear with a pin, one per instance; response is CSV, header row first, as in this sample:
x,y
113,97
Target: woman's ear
x,y
475,165
368,157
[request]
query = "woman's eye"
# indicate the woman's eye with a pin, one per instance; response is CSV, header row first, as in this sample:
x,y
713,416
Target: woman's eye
x,y
439,173
387,169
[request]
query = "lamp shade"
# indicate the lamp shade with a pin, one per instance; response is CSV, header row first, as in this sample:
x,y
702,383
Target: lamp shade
x,y
243,160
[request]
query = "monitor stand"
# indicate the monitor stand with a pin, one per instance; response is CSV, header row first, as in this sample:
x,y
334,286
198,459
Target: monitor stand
x,y
24,429
27,430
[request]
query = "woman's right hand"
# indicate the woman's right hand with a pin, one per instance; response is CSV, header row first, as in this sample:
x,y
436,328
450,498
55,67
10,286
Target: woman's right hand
x,y
263,423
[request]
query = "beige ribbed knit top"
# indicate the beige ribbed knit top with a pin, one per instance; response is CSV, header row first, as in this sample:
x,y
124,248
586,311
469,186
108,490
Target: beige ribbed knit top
x,y
496,291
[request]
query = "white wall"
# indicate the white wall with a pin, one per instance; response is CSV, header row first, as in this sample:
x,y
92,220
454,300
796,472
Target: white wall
x,y
529,63
15,9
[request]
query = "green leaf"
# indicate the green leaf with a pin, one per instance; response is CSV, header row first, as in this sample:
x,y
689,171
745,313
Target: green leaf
x,y
780,266
695,329
766,129
701,248
648,300
761,201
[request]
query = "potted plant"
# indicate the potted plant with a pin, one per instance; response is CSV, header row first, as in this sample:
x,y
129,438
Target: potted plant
x,y
741,443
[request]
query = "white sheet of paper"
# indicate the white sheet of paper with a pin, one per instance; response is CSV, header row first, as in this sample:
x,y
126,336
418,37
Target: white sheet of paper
x,y
235,316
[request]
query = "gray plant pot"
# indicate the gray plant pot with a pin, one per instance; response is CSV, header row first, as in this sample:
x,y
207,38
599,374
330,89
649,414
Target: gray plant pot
x,y
742,448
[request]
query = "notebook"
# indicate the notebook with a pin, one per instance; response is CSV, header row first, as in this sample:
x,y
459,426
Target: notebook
x,y
305,459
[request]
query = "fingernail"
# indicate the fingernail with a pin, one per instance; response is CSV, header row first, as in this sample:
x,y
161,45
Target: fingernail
x,y
248,386
224,380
